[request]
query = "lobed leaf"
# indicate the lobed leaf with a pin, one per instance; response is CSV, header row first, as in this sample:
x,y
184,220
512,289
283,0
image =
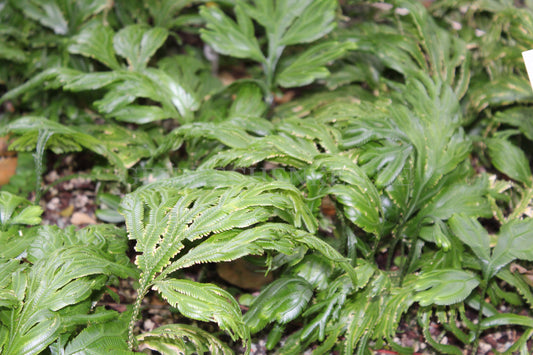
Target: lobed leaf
x,y
311,64
137,44
444,287
204,302
229,37
181,338
95,41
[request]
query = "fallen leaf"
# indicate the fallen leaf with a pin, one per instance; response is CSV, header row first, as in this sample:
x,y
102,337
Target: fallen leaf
x,y
67,212
243,274
79,218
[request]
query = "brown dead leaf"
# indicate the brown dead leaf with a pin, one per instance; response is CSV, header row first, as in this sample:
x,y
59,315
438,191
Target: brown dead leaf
x,y
79,218
243,274
528,274
286,97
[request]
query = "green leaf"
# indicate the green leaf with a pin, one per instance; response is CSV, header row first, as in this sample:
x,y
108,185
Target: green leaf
x,y
435,234
510,160
137,44
204,302
31,215
470,232
515,241
506,319
314,22
65,138
66,276
9,204
387,162
229,37
95,41
518,117
444,287
311,64
282,301
109,216
456,198
47,12
173,339
103,337
500,91
353,189
12,52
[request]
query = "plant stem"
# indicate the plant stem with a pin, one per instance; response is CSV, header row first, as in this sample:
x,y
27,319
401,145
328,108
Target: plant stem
x,y
38,156
480,314
141,292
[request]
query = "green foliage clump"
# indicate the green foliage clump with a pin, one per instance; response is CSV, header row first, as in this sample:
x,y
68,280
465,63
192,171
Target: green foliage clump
x,y
374,157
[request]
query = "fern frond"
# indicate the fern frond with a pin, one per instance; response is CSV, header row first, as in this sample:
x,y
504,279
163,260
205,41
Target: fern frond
x,y
172,338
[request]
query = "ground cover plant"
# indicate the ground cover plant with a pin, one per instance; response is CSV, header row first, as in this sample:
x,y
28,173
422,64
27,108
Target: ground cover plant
x,y
373,159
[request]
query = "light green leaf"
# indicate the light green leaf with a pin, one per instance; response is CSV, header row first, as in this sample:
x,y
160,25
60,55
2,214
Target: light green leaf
x,y
30,215
15,210
137,44
510,160
444,287
228,37
311,64
506,319
96,41
470,232
204,302
282,301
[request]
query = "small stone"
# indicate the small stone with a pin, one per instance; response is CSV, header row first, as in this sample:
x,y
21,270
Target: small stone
x,y
149,325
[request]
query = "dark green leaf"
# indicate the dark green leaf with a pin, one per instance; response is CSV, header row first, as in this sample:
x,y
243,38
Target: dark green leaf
x,y
281,301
